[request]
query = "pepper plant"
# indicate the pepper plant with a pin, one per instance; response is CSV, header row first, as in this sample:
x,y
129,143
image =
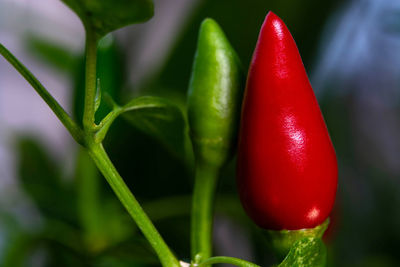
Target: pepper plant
x,y
286,164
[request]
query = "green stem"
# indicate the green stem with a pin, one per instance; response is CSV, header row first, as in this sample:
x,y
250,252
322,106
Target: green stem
x,y
202,211
122,191
105,124
229,260
61,114
105,165
90,80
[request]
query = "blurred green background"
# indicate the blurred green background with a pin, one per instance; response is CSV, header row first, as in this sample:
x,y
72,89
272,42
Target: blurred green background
x,y
350,50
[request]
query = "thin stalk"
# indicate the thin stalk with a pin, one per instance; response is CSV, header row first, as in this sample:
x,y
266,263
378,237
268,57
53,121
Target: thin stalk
x,y
202,211
104,164
105,124
61,114
228,260
130,203
90,80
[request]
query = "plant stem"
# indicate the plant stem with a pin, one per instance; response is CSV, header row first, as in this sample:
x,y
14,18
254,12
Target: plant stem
x,y
61,114
202,211
102,161
229,260
90,80
122,191
105,124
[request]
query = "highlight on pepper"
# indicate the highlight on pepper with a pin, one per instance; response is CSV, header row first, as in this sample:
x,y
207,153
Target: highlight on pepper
x,y
286,168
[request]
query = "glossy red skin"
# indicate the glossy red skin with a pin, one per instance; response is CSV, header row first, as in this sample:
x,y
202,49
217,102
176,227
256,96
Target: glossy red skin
x,y
287,168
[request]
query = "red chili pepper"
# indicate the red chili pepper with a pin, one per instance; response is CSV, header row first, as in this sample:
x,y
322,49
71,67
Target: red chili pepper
x,y
287,169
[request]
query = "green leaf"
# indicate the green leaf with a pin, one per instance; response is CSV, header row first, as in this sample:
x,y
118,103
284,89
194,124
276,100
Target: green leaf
x,y
134,252
306,252
282,241
40,178
158,118
108,15
56,55
18,248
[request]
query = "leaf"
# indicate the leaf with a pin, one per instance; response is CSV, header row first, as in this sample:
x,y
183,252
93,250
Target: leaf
x,y
168,207
52,53
133,252
40,178
306,252
108,15
18,248
282,241
158,118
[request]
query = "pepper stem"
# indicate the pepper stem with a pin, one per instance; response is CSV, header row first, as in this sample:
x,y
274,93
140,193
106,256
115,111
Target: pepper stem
x,y
206,177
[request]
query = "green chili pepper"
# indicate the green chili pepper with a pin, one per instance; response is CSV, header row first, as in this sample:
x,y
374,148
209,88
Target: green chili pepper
x,y
214,101
215,96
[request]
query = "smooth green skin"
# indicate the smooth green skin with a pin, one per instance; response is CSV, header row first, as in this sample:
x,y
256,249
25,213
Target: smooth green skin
x,y
214,101
215,96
